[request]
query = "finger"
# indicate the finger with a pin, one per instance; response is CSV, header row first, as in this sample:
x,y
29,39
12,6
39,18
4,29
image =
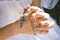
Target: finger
x,y
26,8
47,16
51,24
33,9
40,10
40,16
44,31
47,26
44,23
37,17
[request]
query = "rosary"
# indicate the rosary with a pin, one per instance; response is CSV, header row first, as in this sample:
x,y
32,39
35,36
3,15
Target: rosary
x,y
33,21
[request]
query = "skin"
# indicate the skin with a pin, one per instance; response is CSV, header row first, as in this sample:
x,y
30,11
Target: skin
x,y
36,3
41,18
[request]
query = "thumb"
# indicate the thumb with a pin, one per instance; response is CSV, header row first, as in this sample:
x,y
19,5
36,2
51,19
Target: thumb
x,y
26,8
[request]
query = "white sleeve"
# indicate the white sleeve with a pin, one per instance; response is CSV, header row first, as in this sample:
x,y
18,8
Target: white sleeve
x,y
49,4
11,10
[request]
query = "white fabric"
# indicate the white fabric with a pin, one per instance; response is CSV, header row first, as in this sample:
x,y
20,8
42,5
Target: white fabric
x,y
49,4
23,37
11,10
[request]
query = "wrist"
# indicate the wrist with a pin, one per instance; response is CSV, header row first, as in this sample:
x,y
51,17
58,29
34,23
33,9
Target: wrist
x,y
36,3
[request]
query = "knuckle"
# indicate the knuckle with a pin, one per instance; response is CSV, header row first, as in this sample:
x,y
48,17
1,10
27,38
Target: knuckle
x,y
47,16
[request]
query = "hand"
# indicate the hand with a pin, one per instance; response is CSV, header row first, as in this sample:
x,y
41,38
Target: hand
x,y
39,18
